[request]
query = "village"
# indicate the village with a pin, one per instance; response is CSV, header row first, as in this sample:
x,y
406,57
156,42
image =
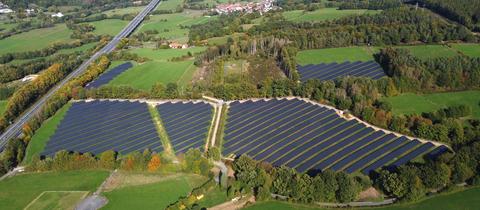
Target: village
x,y
246,7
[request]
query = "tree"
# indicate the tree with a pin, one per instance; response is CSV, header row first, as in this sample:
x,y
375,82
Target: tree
x,y
108,159
391,184
154,163
246,170
282,181
348,188
435,175
331,185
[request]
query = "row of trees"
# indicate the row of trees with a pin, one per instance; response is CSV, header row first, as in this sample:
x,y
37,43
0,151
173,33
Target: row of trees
x,y
391,27
464,12
372,5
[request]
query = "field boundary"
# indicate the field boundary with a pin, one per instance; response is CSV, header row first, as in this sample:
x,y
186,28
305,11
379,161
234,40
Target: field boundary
x,y
162,132
54,191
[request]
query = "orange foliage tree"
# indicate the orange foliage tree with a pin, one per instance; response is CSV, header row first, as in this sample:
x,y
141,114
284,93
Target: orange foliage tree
x,y
154,163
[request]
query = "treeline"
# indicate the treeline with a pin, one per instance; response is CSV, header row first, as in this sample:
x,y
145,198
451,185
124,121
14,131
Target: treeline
x,y
371,5
221,26
15,4
391,27
465,12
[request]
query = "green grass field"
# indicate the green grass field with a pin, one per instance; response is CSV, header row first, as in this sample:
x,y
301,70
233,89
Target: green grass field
x,y
152,196
323,14
431,51
42,135
109,26
412,103
18,191
169,4
170,29
35,39
57,200
472,50
123,11
158,69
3,105
330,55
464,200
82,48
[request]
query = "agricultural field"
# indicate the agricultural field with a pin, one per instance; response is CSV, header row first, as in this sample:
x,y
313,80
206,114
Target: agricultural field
x,y
152,196
330,55
170,5
431,51
411,103
169,25
99,126
159,69
43,38
123,11
187,124
18,191
309,137
3,105
334,70
109,26
472,50
323,14
82,48
57,200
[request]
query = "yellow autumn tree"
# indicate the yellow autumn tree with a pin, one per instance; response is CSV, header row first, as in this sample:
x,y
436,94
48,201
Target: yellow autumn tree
x,y
154,163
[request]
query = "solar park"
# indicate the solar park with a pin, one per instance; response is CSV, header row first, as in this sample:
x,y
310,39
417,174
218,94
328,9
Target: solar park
x,y
309,137
331,71
186,124
108,76
300,134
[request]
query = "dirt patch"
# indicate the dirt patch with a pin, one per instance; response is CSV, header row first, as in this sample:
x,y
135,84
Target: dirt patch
x,y
124,179
369,194
234,204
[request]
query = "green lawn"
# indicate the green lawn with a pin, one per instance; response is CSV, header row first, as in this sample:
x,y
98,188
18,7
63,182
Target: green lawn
x,y
431,51
413,103
152,196
123,11
18,191
82,48
35,39
330,55
42,135
472,50
323,14
170,29
109,26
465,200
212,198
159,68
57,200
3,105
169,4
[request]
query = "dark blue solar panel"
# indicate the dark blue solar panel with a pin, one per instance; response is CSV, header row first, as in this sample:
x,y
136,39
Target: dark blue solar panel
x,y
99,126
187,124
333,70
413,154
108,76
390,156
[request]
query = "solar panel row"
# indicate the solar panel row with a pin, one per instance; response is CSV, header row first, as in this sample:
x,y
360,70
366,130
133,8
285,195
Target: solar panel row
x,y
308,137
108,76
186,124
334,70
99,126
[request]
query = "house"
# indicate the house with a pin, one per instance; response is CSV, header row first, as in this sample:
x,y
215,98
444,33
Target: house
x,y
175,45
58,15
5,11
30,77
30,11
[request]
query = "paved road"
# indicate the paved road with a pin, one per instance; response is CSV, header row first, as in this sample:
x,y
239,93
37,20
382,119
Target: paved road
x,y
15,128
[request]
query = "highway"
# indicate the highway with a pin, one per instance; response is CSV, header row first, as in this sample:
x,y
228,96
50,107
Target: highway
x,y
15,128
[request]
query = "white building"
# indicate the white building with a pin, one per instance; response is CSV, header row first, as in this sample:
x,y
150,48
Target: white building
x,y
5,11
58,15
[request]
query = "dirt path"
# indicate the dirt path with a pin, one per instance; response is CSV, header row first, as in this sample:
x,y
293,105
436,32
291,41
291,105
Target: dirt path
x,y
233,205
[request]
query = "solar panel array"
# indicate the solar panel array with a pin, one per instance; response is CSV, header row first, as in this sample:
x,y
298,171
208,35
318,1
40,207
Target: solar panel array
x,y
108,76
309,137
99,126
330,71
187,124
